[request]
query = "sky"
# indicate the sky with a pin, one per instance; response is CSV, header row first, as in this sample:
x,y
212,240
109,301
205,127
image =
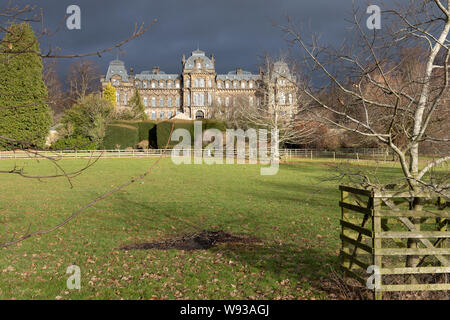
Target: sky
x,y
237,32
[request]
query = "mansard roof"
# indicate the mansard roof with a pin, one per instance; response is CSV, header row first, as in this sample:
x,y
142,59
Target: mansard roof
x,y
161,75
117,67
199,54
235,75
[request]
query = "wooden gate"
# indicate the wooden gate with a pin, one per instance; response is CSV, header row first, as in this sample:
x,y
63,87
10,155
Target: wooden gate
x,y
375,229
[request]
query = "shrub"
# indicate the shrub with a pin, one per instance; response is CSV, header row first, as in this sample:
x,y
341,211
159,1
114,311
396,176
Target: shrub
x,y
73,143
121,135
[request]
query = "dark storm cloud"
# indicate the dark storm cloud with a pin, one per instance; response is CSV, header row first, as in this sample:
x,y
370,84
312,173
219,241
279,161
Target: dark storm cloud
x,y
235,31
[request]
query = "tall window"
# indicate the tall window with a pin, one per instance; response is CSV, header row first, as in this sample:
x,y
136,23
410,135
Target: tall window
x,y
188,100
161,102
202,83
195,83
169,114
250,84
161,84
177,85
195,99
290,98
209,83
282,98
161,115
227,101
227,84
202,99
169,101
199,65
146,101
188,83
250,101
153,102
235,84
243,84
153,85
219,84
169,84
125,99
178,101
219,101
117,97
145,84
153,115
209,98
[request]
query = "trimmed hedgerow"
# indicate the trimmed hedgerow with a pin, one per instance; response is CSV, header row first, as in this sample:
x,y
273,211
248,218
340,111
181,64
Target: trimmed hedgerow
x,y
120,136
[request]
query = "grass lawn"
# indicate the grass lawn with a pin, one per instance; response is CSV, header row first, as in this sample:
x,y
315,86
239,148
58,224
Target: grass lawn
x,y
294,214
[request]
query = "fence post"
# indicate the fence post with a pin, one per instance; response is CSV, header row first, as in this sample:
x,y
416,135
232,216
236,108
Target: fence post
x,y
311,155
334,155
357,156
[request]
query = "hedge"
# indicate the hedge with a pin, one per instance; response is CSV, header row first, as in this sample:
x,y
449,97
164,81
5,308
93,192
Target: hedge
x,y
126,136
156,132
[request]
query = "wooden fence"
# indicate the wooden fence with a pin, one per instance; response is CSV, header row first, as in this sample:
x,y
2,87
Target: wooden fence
x,y
376,227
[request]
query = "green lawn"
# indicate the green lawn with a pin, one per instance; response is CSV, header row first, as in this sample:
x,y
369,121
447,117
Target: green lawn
x,y
294,214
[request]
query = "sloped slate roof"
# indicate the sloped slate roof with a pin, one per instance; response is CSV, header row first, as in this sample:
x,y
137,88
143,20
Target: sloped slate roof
x,y
207,63
117,67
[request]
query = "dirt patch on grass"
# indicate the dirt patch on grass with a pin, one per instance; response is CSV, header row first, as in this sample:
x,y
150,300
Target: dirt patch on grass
x,y
202,240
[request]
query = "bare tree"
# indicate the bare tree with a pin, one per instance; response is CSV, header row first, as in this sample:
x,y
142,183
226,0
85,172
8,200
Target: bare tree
x,y
57,98
382,96
274,107
83,78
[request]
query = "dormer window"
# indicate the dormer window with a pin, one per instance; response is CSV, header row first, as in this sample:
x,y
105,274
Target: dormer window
x,y
153,85
199,65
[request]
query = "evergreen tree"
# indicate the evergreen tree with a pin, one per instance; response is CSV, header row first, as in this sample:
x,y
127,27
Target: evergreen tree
x,y
109,94
137,107
24,114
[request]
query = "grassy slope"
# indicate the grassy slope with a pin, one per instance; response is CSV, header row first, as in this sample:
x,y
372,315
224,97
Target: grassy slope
x,y
293,213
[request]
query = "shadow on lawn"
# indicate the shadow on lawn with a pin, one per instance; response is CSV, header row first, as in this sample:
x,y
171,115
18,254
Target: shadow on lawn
x,y
309,268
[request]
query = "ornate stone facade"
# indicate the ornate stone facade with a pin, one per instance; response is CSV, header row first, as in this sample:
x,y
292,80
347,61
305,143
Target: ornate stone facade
x,y
193,93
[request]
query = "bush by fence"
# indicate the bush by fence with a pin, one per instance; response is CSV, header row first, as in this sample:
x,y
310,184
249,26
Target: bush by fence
x,y
120,136
156,132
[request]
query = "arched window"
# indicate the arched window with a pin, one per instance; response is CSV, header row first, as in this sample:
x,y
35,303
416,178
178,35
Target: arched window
x,y
227,84
235,84
177,84
153,84
161,84
250,84
188,83
243,84
219,84
195,83
199,65
202,83
199,114
169,84
145,84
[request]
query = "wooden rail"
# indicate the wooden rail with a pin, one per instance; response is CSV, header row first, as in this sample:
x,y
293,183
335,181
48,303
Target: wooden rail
x,y
375,228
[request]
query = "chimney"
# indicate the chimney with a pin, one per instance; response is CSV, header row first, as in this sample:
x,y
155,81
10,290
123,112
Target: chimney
x,y
212,59
155,70
239,71
131,71
183,60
